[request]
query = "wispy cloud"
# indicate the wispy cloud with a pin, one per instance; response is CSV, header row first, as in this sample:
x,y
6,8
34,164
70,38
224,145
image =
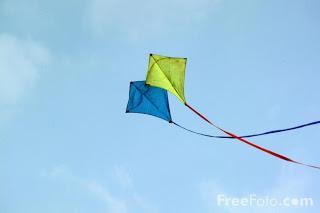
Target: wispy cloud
x,y
123,177
144,18
113,203
21,62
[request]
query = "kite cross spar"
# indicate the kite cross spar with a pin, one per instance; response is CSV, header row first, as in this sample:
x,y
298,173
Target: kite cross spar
x,y
168,73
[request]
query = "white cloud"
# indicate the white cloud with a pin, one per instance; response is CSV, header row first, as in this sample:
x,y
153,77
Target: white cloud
x,y
144,205
21,62
123,177
114,204
143,18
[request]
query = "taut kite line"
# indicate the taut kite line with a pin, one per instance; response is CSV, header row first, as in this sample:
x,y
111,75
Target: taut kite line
x,y
168,74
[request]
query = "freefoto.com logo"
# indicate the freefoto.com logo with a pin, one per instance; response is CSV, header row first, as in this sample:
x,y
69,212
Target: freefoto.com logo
x,y
263,201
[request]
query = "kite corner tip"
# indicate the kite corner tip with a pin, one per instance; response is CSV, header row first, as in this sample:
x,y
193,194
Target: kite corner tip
x,y
150,54
127,111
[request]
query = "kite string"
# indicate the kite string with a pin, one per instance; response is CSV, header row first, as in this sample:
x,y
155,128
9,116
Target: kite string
x,y
248,142
281,130
198,133
249,136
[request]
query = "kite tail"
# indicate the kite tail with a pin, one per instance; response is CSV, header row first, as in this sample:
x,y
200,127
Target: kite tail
x,y
198,133
202,134
249,136
281,130
282,157
198,113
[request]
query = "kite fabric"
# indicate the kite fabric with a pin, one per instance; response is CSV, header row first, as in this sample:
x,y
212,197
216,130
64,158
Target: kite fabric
x,y
169,73
148,100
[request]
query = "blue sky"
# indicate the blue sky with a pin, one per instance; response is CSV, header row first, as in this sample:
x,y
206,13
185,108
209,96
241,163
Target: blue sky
x,y
66,144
